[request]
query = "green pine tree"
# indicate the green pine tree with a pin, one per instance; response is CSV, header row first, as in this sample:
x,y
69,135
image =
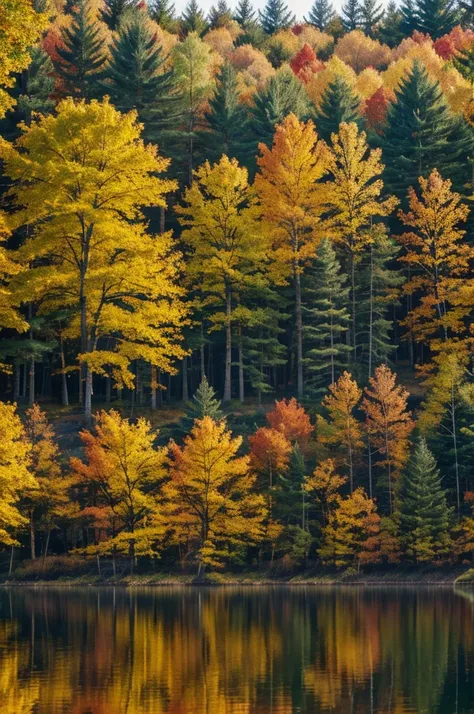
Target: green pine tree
x,y
339,103
409,19
203,403
389,31
244,14
219,15
351,15
466,13
423,512
464,63
421,134
227,120
321,14
377,285
276,16
192,19
82,56
163,12
113,11
326,320
371,13
283,94
134,77
436,17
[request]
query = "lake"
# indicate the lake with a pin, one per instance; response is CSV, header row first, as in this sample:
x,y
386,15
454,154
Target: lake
x,y
236,650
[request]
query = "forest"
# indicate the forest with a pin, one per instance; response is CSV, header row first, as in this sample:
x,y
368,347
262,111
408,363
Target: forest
x,y
236,287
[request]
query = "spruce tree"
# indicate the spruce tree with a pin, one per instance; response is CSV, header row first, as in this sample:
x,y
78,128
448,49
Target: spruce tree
x,y
113,11
276,16
464,63
377,283
339,103
422,134
436,17
244,14
409,20
423,512
321,14
227,120
283,94
192,19
219,15
82,53
204,403
351,15
389,31
134,78
371,13
163,12
325,296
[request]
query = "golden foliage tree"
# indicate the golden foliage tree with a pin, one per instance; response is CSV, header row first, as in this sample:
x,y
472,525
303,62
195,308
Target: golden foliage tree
x,y
269,452
439,257
388,424
220,227
9,316
342,428
354,198
126,471
20,28
290,194
51,499
325,484
81,178
15,474
352,534
211,494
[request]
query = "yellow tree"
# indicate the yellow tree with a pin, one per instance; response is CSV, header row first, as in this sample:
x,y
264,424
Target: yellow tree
x,y
50,500
20,28
211,494
81,178
127,471
325,484
221,229
342,428
354,199
15,474
388,424
9,316
290,193
439,257
352,535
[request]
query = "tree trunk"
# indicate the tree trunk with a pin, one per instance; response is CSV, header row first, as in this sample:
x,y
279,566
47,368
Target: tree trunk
x,y
162,219
201,353
228,348
455,447
185,380
88,393
131,553
10,569
16,382
354,323
241,370
46,548
108,390
64,389
299,335
153,386
371,309
32,535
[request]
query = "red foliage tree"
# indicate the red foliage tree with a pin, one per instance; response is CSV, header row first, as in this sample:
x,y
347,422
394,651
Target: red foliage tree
x,y
305,63
376,107
289,418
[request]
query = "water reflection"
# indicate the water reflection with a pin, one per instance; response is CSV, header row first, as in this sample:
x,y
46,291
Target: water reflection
x,y
236,651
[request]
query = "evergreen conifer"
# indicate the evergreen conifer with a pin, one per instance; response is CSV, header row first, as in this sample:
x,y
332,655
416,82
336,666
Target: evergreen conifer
x,y
321,14
276,16
339,104
192,19
351,15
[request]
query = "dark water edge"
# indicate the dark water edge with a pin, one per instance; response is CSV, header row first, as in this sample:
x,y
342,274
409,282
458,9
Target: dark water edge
x,y
237,650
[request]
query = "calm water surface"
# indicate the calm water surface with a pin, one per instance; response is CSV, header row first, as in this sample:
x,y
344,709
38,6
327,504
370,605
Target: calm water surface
x,y
236,651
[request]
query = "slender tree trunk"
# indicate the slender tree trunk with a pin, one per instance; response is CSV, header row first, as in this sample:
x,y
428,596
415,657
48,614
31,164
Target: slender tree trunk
x,y
369,466
201,353
25,381
88,393
16,382
228,348
299,334
64,389
131,554
108,390
185,379
354,322
371,308
10,569
153,386
31,367
32,534
241,370
455,447
46,548
162,219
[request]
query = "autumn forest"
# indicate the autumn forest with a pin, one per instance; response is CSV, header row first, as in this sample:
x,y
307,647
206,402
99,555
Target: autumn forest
x,y
236,287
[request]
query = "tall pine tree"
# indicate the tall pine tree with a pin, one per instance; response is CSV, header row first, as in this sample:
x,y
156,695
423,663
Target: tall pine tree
x,y
163,12
339,104
422,133
321,14
81,56
114,10
219,15
436,17
423,514
371,13
326,321
351,15
192,19
276,16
